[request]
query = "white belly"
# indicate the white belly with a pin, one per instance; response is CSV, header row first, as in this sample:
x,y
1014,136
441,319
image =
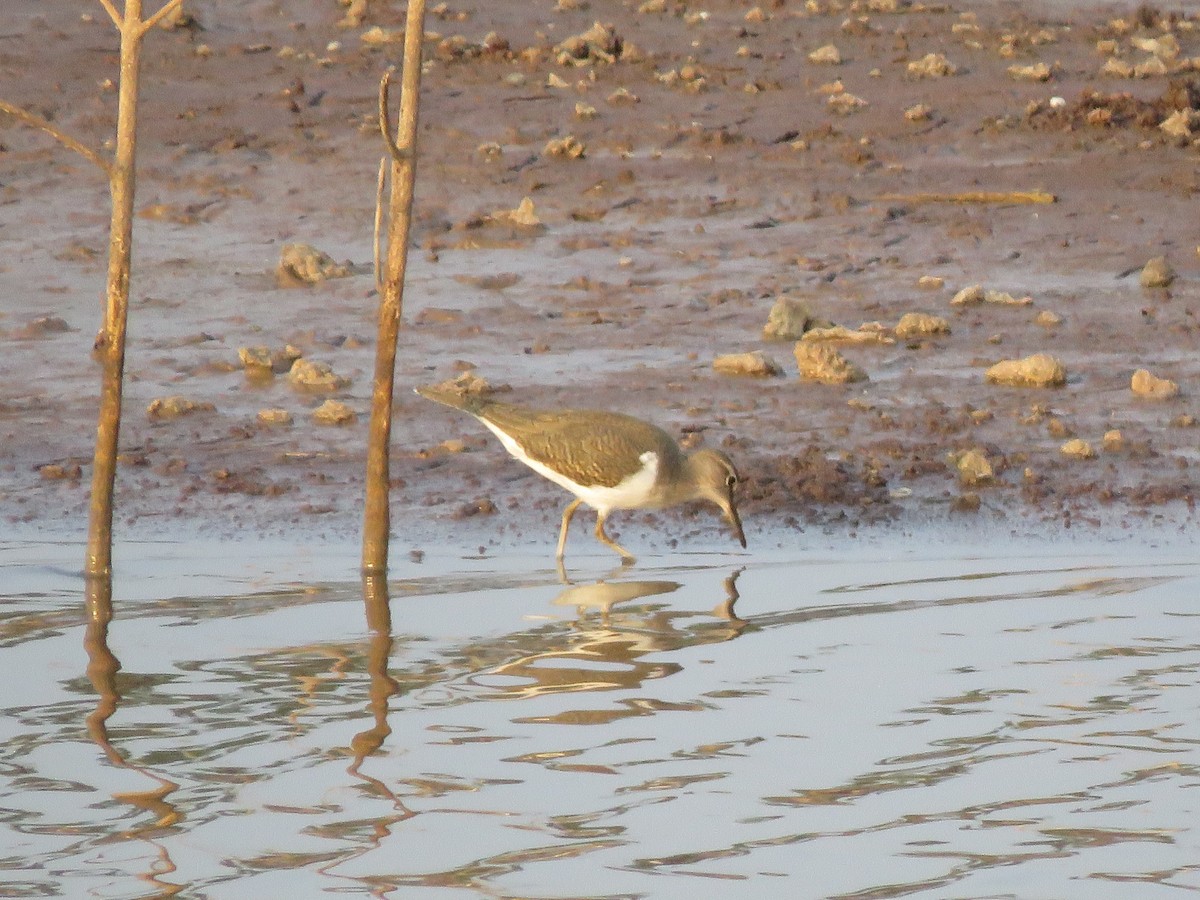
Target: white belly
x,y
632,493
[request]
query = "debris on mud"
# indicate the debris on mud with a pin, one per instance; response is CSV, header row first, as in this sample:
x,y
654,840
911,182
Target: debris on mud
x,y
822,363
789,318
334,412
316,376
1038,370
162,408
1077,448
301,264
1151,387
1157,273
974,468
755,363
917,324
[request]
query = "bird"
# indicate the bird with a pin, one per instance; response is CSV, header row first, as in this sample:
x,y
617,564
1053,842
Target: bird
x,y
608,460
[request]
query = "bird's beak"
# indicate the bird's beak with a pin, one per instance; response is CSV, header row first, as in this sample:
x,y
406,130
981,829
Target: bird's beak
x,y
735,520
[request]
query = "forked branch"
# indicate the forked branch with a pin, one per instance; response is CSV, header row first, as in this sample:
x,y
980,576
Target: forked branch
x,y
167,8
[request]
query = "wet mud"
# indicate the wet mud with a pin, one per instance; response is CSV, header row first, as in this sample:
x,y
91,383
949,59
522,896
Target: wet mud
x,y
601,213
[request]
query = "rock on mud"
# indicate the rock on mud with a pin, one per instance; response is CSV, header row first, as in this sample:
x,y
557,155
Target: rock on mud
x,y
788,319
976,294
334,412
274,416
317,376
974,468
820,362
1151,387
1038,370
1157,273
304,264
867,333
162,408
1077,448
756,363
915,324
931,65
259,360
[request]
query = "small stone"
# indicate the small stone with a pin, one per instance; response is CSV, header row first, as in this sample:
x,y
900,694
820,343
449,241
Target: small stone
x,y
968,295
931,282
174,407
1157,273
976,294
821,363
755,363
317,376
304,264
568,147
974,468
915,324
787,320
845,103
1114,441
1151,387
1035,72
523,216
1077,448
258,358
918,113
931,65
585,113
867,333
274,416
826,56
1038,370
1048,319
1179,124
334,412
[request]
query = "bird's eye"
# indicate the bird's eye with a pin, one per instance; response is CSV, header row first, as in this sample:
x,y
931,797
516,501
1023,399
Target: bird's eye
x,y
730,480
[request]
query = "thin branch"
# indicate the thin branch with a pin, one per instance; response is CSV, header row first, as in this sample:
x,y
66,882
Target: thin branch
x,y
167,9
65,139
395,151
117,18
974,197
379,222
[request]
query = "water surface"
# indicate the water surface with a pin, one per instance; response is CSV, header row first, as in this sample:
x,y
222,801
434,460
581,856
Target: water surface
x,y
867,723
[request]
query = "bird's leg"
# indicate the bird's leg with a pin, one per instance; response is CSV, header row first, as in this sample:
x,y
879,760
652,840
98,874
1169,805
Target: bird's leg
x,y
627,558
566,521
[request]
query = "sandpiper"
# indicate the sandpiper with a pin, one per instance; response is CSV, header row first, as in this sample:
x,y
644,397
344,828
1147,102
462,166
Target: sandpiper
x,y
607,460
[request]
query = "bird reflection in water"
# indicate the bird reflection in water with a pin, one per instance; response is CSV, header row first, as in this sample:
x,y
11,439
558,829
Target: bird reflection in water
x,y
610,642
102,670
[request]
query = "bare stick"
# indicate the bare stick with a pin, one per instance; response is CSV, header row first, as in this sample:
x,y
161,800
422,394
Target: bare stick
x,y
974,197
62,137
378,249
402,151
166,10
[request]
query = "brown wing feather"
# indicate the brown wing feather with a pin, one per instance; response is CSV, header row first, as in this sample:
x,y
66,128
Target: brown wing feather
x,y
591,447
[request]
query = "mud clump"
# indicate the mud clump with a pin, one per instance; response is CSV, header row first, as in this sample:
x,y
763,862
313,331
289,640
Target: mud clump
x,y
261,361
756,363
163,408
788,319
316,376
274,416
334,412
1077,448
1038,370
974,468
1157,273
915,325
301,264
1151,387
821,363
977,294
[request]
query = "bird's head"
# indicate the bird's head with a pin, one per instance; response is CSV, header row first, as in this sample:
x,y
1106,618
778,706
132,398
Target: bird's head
x,y
716,480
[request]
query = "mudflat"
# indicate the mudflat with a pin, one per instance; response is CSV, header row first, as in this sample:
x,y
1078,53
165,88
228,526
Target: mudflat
x,y
609,198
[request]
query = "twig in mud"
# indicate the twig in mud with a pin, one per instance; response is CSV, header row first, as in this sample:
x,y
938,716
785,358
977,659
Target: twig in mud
x,y
974,197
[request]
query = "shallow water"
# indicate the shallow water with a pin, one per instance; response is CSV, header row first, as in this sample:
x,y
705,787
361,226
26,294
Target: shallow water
x,y
865,724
